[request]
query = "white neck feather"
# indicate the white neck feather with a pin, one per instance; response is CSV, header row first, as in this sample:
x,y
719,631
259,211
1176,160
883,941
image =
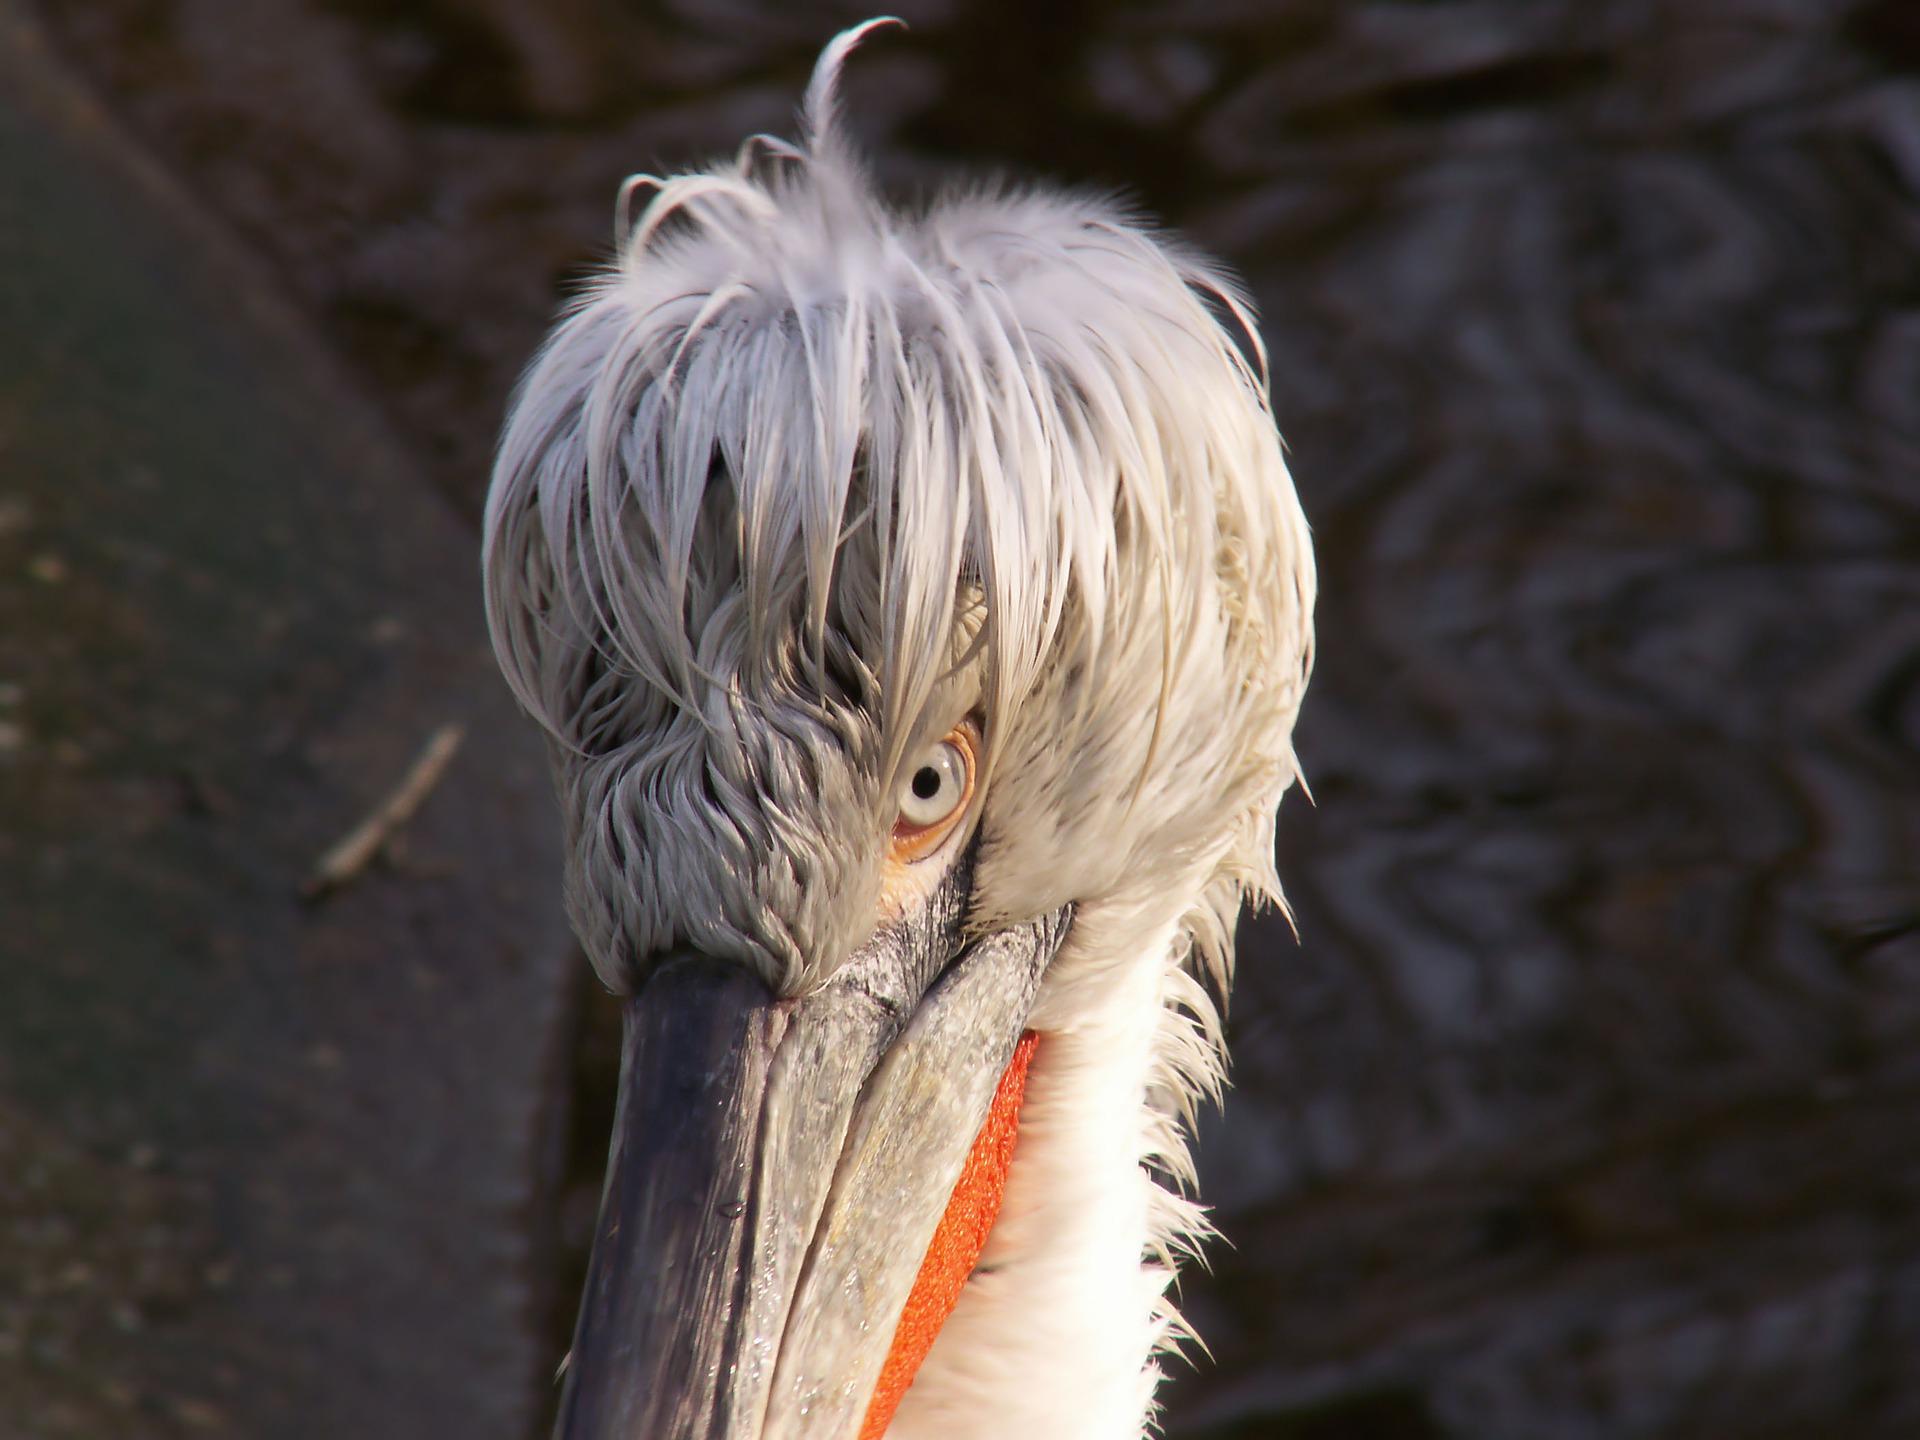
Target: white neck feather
x,y
1056,1334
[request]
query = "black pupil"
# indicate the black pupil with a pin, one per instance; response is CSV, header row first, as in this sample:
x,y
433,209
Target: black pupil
x,y
926,782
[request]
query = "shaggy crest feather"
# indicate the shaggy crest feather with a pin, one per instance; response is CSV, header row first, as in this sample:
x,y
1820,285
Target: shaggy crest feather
x,y
801,479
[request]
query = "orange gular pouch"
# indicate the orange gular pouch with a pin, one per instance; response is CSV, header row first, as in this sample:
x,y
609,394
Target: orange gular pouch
x,y
957,1243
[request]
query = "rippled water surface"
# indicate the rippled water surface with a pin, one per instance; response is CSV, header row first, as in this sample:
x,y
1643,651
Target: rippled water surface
x,y
1589,1103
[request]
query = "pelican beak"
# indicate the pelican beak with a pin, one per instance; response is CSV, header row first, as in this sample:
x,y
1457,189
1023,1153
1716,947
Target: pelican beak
x,y
777,1173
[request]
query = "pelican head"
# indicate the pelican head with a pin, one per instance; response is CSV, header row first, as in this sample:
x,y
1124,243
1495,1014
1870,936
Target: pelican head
x,y
917,607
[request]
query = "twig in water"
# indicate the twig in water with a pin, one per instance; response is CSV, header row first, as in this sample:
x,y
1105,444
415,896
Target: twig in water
x,y
356,850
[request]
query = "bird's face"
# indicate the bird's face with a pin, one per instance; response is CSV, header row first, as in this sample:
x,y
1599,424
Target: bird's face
x,y
810,1057
781,1161
841,946
917,610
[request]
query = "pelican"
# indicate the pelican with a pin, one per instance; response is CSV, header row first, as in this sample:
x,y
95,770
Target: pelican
x,y
917,606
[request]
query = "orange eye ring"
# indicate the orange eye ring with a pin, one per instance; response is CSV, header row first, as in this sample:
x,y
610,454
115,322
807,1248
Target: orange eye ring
x,y
936,795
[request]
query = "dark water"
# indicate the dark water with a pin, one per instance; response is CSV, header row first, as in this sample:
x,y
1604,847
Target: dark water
x,y
1589,1105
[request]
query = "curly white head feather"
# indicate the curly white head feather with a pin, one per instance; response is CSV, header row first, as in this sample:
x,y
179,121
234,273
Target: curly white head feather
x,y
801,476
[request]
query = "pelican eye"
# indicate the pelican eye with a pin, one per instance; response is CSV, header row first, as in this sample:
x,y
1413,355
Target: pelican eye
x,y
934,795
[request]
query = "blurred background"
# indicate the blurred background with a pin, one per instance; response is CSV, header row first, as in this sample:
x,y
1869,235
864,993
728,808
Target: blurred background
x,y
1588,1104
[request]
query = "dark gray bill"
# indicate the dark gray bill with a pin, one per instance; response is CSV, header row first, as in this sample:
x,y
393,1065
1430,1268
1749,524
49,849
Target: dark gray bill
x,y
777,1172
